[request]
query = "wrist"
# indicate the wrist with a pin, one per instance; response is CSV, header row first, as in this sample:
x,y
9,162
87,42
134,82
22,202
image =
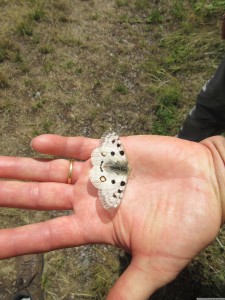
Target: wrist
x,y
216,146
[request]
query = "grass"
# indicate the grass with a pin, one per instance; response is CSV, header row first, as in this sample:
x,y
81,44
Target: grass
x,y
166,107
79,69
4,83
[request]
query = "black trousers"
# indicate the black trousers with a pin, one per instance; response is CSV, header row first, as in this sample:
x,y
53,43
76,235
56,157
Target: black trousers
x,y
207,118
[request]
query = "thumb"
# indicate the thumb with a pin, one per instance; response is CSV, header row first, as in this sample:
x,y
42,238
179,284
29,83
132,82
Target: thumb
x,y
139,281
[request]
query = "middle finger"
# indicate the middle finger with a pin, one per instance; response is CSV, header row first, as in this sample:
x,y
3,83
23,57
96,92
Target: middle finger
x,y
36,195
47,170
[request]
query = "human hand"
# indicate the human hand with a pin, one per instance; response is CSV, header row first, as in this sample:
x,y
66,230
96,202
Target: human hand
x,y
173,205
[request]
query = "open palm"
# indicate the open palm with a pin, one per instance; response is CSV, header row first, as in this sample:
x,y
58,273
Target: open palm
x,y
171,209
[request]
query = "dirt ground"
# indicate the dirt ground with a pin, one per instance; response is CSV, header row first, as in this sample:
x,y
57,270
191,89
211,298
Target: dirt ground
x,y
82,67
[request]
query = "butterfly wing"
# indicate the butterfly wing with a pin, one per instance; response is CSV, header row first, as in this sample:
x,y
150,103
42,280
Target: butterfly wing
x,y
110,187
109,138
112,142
110,170
112,194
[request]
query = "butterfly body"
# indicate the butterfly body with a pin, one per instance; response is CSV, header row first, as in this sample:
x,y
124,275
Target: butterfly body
x,y
118,167
110,170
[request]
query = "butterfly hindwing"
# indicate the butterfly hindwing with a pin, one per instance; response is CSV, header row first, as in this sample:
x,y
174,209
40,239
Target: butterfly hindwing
x,y
112,195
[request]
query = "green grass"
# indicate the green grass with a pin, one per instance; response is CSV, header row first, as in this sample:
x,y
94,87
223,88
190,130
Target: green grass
x,y
46,49
166,109
120,88
37,14
121,3
155,17
25,28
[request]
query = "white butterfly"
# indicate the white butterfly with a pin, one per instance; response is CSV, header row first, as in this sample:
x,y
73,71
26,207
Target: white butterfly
x,y
110,170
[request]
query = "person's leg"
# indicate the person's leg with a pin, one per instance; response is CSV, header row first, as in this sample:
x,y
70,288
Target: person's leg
x,y
29,274
207,118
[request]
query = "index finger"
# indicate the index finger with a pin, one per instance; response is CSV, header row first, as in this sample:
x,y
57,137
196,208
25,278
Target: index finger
x,y
75,147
